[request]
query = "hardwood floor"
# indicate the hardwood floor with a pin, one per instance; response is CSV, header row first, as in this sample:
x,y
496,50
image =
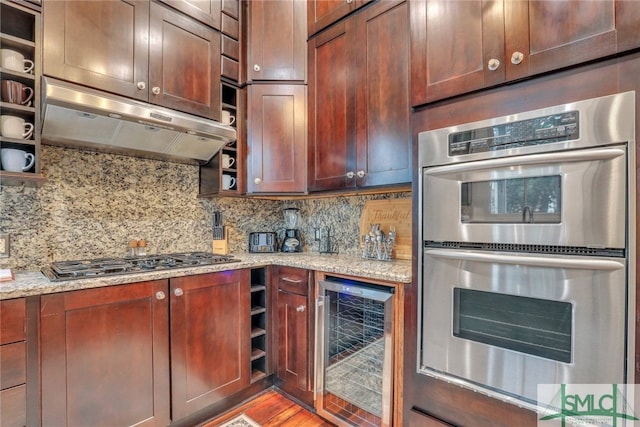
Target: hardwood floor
x,y
271,409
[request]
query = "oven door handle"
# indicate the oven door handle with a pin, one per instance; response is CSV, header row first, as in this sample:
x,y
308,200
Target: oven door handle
x,y
532,260
531,159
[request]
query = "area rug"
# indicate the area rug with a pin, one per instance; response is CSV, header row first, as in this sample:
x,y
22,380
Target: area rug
x,y
240,421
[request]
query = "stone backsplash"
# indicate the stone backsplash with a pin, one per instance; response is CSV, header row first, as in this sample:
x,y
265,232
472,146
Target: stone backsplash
x,y
94,203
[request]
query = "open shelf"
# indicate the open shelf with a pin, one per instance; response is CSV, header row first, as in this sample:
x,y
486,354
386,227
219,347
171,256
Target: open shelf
x,y
259,324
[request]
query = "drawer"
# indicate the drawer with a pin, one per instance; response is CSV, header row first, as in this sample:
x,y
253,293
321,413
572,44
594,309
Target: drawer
x,y
231,8
293,280
12,365
13,407
230,47
230,69
12,320
417,418
230,26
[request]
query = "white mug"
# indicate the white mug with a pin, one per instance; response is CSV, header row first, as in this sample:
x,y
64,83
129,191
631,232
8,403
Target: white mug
x,y
228,182
14,160
14,60
227,161
15,127
227,118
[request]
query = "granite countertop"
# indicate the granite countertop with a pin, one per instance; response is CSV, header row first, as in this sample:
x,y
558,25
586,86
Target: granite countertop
x,y
29,283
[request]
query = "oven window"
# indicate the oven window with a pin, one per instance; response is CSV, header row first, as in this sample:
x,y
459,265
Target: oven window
x,y
520,200
533,326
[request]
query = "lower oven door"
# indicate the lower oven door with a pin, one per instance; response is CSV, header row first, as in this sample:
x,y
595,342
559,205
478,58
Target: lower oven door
x,y
508,322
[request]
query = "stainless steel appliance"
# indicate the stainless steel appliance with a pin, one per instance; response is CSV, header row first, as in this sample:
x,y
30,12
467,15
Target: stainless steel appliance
x,y
527,274
354,352
263,242
101,267
292,241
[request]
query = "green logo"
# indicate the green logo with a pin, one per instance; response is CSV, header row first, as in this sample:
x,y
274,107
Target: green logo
x,y
587,405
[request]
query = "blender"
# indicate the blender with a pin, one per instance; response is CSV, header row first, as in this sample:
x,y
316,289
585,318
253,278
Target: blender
x,y
292,241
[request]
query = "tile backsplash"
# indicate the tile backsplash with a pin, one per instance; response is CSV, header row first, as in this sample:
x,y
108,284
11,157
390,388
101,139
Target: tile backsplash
x,y
94,203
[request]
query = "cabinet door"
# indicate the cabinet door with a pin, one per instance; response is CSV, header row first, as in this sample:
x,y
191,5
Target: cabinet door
x,y
383,110
293,340
452,42
105,356
277,138
184,64
322,13
205,11
210,344
554,34
332,100
277,40
101,44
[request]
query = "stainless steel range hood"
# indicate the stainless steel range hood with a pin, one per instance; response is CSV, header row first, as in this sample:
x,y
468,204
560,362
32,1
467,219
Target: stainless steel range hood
x,y
84,118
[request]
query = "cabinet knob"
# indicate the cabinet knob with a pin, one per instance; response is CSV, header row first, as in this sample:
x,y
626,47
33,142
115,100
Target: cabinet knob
x,y
361,174
350,174
178,292
349,1
160,295
494,64
256,67
141,85
300,308
257,181
155,90
517,58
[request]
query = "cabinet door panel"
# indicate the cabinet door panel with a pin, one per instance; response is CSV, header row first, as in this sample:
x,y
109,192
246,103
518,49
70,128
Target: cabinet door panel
x,y
277,40
277,138
12,365
451,44
293,341
205,11
113,58
210,342
184,61
383,118
13,411
332,78
12,320
106,345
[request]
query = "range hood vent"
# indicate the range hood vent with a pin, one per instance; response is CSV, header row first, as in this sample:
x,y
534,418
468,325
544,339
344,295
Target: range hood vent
x,y
79,117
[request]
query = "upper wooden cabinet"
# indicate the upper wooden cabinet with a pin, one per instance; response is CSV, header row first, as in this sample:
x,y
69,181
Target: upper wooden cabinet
x,y
136,49
277,40
322,13
359,113
277,139
205,11
461,46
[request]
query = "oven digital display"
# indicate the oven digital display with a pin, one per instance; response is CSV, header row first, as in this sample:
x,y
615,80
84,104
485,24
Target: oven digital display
x,y
540,130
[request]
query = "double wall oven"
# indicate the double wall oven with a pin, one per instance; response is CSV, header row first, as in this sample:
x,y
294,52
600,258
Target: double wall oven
x,y
526,254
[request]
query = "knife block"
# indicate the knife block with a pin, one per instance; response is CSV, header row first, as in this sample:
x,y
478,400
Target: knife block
x,y
221,246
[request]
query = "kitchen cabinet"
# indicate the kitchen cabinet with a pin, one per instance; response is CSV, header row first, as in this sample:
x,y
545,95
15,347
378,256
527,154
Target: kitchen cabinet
x,y
138,49
209,338
359,113
461,46
295,331
260,360
205,11
277,138
20,31
13,363
277,40
106,345
322,13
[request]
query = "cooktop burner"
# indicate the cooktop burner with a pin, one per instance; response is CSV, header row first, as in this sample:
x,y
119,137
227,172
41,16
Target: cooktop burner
x,y
82,269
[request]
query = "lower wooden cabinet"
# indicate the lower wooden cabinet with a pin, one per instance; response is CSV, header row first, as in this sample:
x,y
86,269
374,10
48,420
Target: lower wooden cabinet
x,y
13,361
294,332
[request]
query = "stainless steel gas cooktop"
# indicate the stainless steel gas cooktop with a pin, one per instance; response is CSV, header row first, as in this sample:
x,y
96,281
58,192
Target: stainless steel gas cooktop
x,y
83,269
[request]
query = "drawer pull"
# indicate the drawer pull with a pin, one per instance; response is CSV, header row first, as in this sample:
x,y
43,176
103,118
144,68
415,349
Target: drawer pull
x,y
300,308
287,279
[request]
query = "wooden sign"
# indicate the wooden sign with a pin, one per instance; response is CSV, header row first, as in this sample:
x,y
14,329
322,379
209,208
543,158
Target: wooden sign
x,y
387,213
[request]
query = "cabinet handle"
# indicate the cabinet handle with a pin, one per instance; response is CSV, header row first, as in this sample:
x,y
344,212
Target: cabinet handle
x,y
300,308
494,64
287,279
257,181
350,174
256,67
349,1
178,292
361,174
517,58
155,90
141,85
160,295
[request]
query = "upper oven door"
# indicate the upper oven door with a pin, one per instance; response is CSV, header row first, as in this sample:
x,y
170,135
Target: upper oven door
x,y
567,198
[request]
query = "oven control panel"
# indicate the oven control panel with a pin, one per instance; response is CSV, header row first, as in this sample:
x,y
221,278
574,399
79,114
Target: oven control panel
x,y
540,130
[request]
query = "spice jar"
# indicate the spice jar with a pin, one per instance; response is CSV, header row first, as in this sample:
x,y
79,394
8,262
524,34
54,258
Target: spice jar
x,y
142,247
132,250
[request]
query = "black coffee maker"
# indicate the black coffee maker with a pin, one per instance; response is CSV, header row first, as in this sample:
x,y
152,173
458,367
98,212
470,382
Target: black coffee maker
x,y
292,241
